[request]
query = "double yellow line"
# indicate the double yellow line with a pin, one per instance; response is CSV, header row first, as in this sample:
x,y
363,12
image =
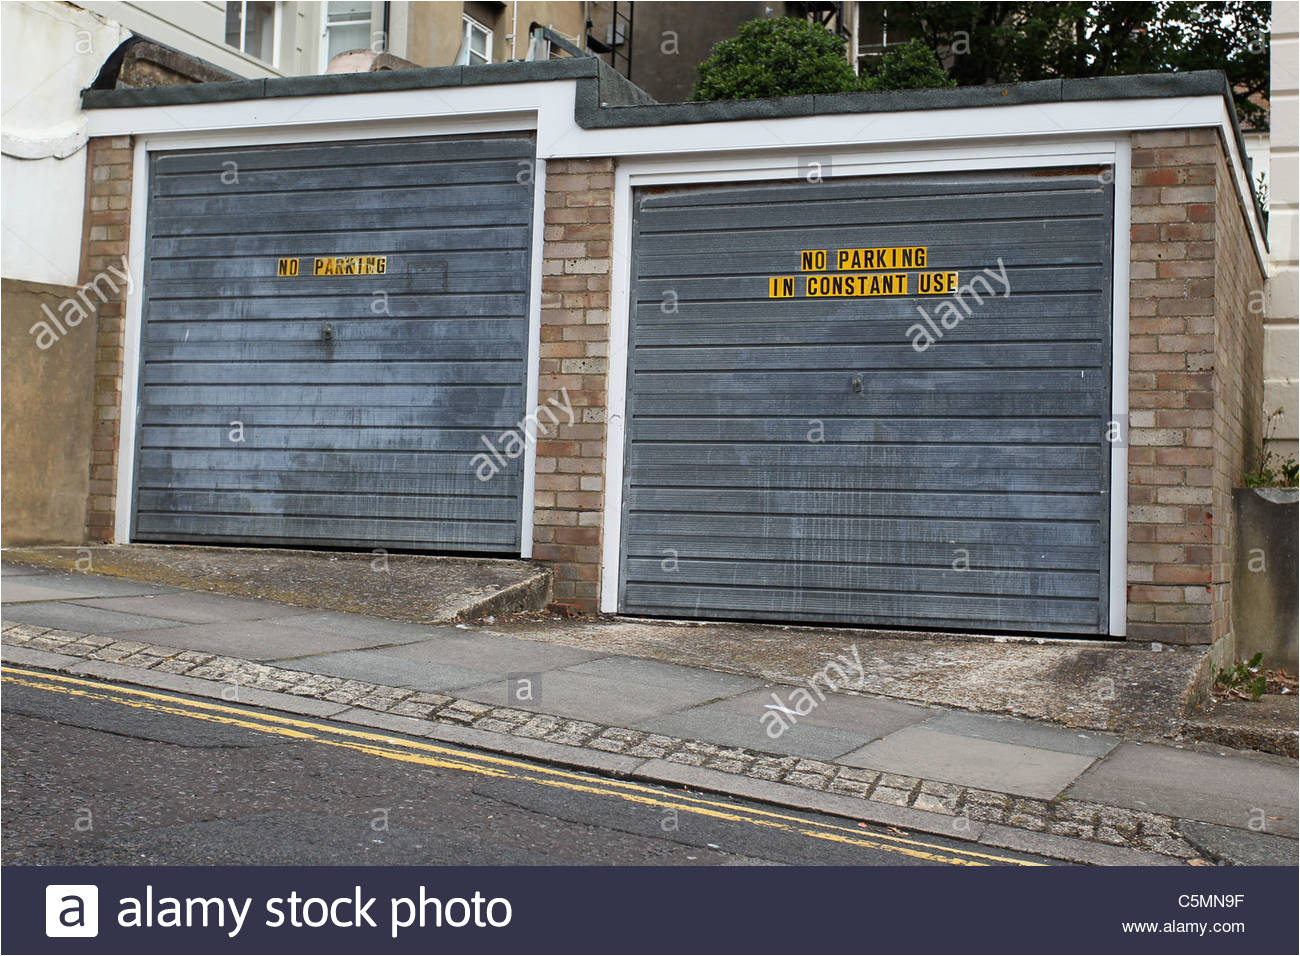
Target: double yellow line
x,y
489,765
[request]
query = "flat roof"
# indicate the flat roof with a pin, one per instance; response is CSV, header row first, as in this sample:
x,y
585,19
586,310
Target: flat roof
x,y
619,103
606,100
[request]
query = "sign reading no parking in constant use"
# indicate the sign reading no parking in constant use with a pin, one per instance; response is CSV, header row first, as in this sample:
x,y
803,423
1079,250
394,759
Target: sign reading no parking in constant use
x,y
853,278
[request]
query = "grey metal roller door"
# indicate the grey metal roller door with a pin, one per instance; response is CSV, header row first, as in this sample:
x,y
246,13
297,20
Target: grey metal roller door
x,y
965,485
359,434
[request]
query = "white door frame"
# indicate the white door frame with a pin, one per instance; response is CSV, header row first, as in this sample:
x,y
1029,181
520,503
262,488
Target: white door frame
x,y
124,503
1113,152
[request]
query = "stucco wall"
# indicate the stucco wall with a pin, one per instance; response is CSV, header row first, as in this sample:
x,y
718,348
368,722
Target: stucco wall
x,y
433,31
44,163
1282,326
1264,610
198,29
45,409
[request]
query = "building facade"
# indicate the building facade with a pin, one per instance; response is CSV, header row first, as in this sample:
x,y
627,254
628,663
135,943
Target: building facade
x,y
1002,379
252,39
984,359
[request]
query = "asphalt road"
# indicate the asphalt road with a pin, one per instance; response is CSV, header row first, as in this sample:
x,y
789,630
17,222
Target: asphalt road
x,y
102,773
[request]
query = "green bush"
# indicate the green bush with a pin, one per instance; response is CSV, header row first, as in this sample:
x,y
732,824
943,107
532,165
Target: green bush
x,y
785,56
779,56
908,66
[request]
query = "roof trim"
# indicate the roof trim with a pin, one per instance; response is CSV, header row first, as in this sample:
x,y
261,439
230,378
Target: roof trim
x,y
605,100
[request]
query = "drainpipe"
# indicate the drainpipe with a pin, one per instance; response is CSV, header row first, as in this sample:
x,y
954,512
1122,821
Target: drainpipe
x,y
514,27
853,39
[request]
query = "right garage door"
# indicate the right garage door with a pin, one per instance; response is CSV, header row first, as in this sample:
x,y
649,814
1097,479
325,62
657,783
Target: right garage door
x,y
872,401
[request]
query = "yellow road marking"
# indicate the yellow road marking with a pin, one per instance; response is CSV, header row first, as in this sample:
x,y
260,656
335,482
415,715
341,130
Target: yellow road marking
x,y
451,758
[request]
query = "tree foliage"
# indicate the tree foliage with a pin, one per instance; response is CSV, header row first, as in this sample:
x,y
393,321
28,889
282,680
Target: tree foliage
x,y
907,66
1003,42
778,56
1021,41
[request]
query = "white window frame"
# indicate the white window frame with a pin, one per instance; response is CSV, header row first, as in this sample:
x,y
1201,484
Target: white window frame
x,y
277,22
325,24
915,158
469,26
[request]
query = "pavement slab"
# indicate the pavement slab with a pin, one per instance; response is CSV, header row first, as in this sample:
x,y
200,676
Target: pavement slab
x,y
742,728
53,586
379,667
1011,768
359,627
192,607
1112,686
1025,733
1239,847
492,653
76,617
1226,789
255,640
588,697
656,674
862,717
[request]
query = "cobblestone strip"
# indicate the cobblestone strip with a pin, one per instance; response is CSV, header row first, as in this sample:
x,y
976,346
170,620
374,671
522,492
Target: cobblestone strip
x,y
1072,818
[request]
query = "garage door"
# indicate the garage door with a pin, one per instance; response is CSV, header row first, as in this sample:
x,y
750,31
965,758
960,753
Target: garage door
x,y
872,401
329,333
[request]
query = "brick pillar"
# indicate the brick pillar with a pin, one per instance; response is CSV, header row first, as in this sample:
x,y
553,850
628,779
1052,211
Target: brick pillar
x,y
570,492
1186,379
104,246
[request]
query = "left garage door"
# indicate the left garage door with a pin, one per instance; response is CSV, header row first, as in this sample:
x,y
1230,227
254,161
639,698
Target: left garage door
x,y
329,332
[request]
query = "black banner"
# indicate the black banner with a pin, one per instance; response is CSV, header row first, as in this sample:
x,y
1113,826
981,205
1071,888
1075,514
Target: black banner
x,y
648,910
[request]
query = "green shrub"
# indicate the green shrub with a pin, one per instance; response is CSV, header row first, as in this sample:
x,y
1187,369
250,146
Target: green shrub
x,y
908,66
778,56
786,56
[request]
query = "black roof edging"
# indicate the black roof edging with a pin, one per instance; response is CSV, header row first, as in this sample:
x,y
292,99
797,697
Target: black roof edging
x,y
326,84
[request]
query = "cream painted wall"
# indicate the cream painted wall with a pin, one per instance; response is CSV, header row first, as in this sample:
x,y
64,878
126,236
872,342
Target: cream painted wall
x,y
1282,321
196,28
44,134
433,31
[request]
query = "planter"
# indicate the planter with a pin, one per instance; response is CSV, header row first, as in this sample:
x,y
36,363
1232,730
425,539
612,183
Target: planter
x,y
1264,614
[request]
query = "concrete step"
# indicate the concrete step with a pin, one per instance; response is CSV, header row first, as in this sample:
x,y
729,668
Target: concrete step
x,y
423,589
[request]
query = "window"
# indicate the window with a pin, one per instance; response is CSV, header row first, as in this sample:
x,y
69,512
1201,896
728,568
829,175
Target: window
x,y
251,29
476,47
347,27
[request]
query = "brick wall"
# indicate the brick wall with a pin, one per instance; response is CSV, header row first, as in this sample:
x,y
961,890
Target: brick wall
x,y
1193,382
1238,380
105,243
576,267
